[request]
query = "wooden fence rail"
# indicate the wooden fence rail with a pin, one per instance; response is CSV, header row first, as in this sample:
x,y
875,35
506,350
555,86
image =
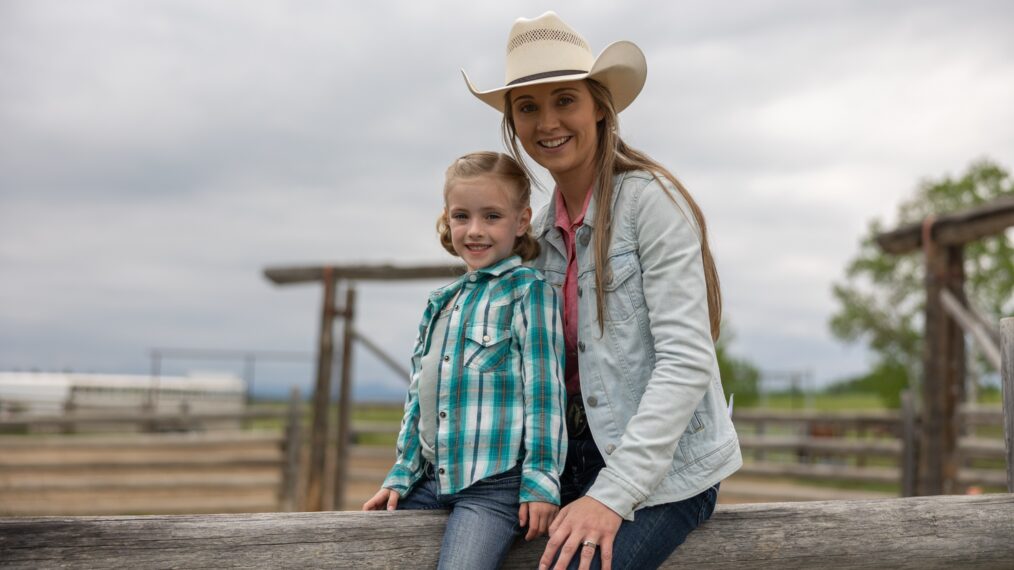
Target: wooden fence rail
x,y
923,532
188,472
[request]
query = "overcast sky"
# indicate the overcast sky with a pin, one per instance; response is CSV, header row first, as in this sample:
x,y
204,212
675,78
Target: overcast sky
x,y
155,156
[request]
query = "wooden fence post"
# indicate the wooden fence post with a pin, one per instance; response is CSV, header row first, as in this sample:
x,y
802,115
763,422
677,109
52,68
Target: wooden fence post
x,y
321,397
909,444
293,452
1007,375
943,373
344,403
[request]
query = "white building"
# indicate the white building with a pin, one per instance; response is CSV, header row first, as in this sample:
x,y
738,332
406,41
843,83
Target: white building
x,y
46,394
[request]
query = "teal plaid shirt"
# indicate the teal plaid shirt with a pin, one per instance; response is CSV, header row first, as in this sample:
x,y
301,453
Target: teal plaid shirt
x,y
499,385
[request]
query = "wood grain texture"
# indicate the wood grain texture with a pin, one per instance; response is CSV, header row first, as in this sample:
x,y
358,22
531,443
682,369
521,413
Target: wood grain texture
x,y
918,532
955,228
1007,376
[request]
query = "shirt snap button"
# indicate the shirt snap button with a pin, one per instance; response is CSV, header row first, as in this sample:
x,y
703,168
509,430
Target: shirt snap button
x,y
485,338
472,278
440,471
447,358
443,414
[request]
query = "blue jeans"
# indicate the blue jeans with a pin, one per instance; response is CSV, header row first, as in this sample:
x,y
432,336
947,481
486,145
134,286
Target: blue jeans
x,y
483,522
656,531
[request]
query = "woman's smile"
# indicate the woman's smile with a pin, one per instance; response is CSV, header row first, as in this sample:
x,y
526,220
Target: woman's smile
x,y
557,124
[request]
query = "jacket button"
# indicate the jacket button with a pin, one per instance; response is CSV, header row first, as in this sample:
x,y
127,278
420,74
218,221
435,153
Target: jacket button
x,y
584,238
609,450
580,345
593,401
580,292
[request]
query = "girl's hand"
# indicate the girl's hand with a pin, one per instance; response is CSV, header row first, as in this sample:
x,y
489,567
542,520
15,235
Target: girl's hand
x,y
384,497
537,517
584,519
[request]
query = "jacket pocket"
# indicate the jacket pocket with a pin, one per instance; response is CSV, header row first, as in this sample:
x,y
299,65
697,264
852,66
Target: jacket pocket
x,y
624,293
486,348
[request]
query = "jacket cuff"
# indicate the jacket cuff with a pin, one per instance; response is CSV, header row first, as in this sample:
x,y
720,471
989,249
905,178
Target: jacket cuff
x,y
616,494
539,486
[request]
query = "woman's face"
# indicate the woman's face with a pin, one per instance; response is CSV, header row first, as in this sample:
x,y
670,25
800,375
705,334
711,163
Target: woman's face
x,y
556,124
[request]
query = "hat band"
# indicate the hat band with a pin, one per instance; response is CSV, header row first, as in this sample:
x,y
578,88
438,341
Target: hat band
x,y
546,74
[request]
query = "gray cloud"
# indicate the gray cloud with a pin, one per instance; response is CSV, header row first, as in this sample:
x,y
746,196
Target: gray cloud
x,y
155,156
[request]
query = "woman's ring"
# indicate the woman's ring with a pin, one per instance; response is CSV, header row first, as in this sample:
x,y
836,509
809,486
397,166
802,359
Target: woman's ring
x,y
589,543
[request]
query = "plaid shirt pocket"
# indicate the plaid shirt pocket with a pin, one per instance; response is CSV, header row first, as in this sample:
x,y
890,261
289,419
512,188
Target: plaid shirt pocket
x,y
486,348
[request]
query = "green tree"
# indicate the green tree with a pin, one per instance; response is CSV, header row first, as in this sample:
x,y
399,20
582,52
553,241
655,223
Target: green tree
x,y
881,298
739,376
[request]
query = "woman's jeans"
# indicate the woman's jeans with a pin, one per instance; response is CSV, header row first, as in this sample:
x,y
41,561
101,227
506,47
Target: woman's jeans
x,y
655,532
483,522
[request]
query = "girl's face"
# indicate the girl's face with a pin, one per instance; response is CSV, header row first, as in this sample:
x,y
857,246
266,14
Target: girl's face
x,y
484,220
556,124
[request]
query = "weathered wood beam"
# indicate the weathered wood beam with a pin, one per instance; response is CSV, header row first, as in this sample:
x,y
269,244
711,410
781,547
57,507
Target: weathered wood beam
x,y
973,326
921,532
943,373
314,497
386,272
953,229
1007,376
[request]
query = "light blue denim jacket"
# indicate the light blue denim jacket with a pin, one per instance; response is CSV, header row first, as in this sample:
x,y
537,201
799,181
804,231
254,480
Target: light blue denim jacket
x,y
650,383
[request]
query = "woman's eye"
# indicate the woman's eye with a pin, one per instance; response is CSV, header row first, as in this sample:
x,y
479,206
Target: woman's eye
x,y
526,108
565,100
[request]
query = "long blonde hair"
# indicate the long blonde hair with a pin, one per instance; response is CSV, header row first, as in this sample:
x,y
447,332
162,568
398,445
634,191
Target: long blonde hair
x,y
613,156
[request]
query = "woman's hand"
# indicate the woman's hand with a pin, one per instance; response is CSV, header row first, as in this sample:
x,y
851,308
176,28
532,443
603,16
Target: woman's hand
x,y
384,497
584,519
537,517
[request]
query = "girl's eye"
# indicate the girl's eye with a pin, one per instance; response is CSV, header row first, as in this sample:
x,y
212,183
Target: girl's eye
x,y
526,108
493,216
565,100
458,216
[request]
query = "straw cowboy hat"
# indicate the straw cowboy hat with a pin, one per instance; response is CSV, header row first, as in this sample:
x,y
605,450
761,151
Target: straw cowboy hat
x,y
547,50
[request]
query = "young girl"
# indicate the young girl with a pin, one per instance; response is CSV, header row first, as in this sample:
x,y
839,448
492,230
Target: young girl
x,y
483,433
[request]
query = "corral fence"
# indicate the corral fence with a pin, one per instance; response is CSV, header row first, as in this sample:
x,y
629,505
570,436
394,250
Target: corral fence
x,y
165,463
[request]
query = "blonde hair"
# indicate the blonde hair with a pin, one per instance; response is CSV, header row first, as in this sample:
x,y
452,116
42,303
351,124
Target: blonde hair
x,y
506,170
613,156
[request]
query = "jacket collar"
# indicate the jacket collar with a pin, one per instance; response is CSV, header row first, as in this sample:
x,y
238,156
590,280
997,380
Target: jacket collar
x,y
547,218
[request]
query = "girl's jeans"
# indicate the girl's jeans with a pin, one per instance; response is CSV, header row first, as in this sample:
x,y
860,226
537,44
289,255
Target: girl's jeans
x,y
483,522
655,532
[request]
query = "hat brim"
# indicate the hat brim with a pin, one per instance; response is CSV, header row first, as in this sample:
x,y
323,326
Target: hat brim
x,y
621,67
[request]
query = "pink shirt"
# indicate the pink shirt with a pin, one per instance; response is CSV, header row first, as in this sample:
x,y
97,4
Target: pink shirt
x,y
568,229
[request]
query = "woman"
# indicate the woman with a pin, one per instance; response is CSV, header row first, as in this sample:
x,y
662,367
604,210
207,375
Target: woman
x,y
649,435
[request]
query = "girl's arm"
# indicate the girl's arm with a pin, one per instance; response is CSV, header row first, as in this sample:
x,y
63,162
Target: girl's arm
x,y
538,329
407,468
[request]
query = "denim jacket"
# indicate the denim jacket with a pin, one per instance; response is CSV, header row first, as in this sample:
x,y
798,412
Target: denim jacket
x,y
650,383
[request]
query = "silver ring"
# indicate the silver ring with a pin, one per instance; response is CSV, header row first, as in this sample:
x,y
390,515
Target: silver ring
x,y
589,543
